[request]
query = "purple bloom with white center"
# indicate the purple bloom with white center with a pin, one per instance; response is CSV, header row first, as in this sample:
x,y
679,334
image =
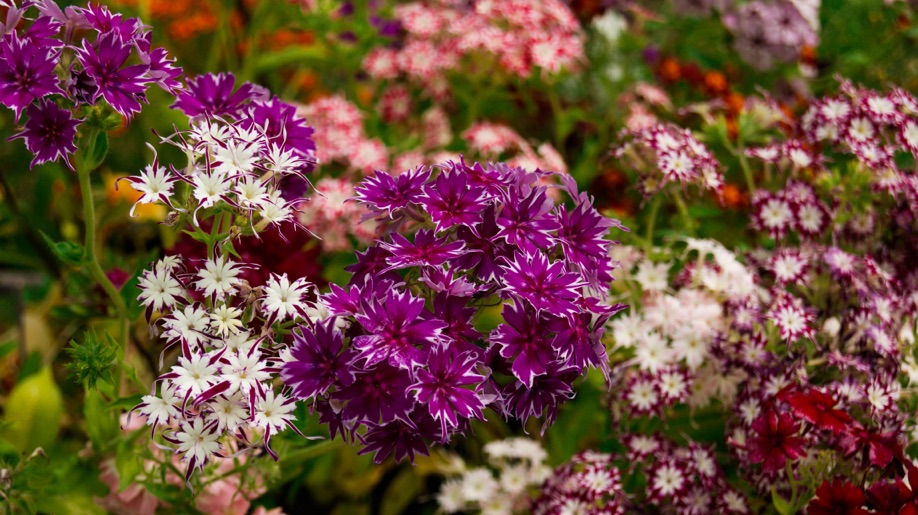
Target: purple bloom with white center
x,y
26,73
450,201
545,285
441,386
385,193
426,250
397,325
524,338
213,95
316,361
526,219
49,133
123,88
484,250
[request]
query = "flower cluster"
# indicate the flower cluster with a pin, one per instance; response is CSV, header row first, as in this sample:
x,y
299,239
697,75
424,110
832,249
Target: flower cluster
x,y
329,214
248,157
664,153
495,140
60,67
219,398
519,464
411,365
522,36
341,137
770,31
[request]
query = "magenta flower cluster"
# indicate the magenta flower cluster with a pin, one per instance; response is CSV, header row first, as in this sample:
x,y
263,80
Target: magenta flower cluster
x,y
66,60
405,357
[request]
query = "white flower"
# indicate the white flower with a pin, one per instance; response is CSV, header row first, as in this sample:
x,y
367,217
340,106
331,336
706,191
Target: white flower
x,y
643,396
244,371
187,325
197,440
155,184
861,129
159,410
478,485
273,412
450,498
610,25
235,157
653,353
195,374
668,479
229,412
283,298
514,478
250,192
158,289
210,188
218,277
225,320
653,277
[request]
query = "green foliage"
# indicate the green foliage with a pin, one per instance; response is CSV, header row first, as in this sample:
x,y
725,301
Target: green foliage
x,y
93,360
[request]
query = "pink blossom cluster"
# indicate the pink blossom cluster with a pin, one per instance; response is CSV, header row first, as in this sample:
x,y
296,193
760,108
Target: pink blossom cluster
x,y
521,36
341,137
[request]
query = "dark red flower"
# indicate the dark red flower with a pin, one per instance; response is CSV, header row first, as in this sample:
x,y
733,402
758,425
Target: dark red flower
x,y
776,441
818,408
880,448
887,498
837,498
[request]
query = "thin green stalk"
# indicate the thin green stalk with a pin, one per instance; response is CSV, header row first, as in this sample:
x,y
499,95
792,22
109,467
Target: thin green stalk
x,y
651,222
92,261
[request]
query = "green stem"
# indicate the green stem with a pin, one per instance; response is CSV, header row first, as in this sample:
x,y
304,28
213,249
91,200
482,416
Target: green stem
x,y
92,260
684,212
654,209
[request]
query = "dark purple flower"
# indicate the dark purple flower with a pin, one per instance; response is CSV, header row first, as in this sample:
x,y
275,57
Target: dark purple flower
x,y
370,264
163,71
426,250
579,345
441,386
547,392
43,33
397,324
123,88
582,234
26,73
400,438
450,201
49,133
384,193
316,361
99,17
212,95
526,219
378,394
524,338
483,248
543,284
455,313
279,122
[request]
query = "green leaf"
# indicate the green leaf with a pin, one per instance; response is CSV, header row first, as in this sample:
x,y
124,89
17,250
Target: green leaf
x,y
101,422
34,409
93,149
781,505
128,464
125,403
67,251
401,492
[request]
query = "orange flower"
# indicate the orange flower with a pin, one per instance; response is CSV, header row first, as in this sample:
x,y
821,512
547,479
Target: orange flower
x,y
715,82
669,70
733,198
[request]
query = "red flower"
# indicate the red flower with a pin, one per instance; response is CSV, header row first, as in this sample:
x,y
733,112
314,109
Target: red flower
x,y
837,498
818,408
892,499
880,448
776,441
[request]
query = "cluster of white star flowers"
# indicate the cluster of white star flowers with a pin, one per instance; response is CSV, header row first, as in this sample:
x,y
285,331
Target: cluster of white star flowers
x,y
220,399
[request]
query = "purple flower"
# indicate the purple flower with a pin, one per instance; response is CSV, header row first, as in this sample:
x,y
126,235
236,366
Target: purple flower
x,y
450,201
526,220
544,396
26,73
384,193
212,95
400,438
455,313
123,88
278,121
426,250
483,248
577,344
396,325
49,133
442,387
316,361
525,337
104,21
372,263
582,237
163,71
378,394
545,285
